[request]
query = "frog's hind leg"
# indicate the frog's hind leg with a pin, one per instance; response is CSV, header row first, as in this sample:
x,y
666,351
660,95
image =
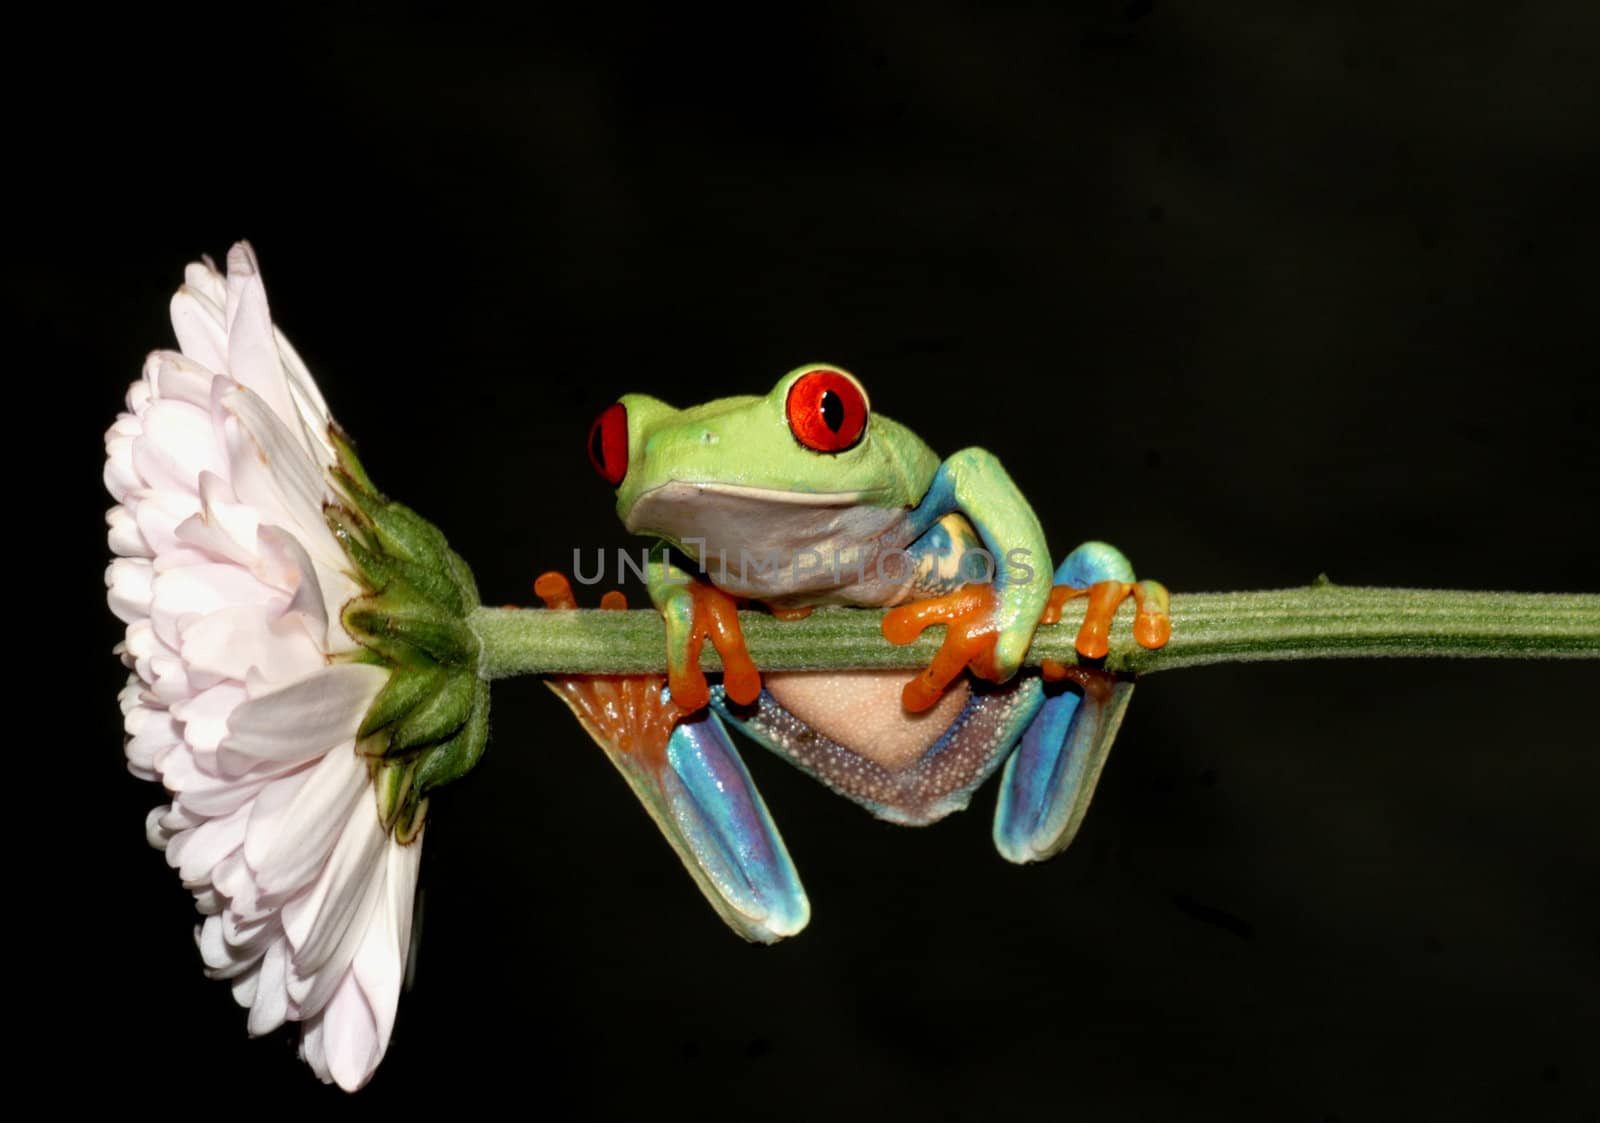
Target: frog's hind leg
x,y
1050,778
690,778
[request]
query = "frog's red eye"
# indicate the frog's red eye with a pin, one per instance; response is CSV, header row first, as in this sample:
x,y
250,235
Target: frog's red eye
x,y
827,410
608,443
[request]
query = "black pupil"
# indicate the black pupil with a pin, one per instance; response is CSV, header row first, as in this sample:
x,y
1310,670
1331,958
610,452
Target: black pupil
x,y
832,407
597,448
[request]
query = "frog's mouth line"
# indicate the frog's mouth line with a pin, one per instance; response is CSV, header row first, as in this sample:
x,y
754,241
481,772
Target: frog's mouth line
x,y
780,495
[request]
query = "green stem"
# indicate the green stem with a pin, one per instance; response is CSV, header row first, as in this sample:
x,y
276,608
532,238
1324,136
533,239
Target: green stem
x,y
1323,621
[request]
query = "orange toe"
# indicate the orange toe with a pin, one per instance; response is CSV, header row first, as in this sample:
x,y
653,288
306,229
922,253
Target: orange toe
x,y
969,638
626,712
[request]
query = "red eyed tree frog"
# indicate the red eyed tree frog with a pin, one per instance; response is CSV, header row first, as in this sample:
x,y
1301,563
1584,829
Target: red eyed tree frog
x,y
806,497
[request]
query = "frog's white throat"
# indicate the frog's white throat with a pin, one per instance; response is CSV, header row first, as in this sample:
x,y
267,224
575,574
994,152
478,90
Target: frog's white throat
x,y
772,544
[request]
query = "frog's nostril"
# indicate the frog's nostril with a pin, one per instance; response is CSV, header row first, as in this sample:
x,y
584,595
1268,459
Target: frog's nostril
x,y
709,438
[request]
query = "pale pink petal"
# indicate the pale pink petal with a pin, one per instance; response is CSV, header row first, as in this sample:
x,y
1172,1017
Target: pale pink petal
x,y
128,584
272,471
202,276
246,643
326,925
191,592
253,358
308,717
195,851
297,820
380,963
350,1037
152,733
197,322
179,378
311,1050
222,528
123,535
176,446
271,1000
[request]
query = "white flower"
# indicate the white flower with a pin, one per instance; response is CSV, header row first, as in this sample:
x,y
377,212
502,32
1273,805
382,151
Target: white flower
x,y
231,585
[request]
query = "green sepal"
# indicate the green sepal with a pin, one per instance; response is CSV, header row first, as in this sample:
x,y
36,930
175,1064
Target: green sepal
x,y
436,717
383,572
349,465
430,722
455,757
403,532
410,631
463,579
406,689
393,783
408,824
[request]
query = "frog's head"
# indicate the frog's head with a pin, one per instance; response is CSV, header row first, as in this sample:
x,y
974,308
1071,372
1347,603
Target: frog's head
x,y
813,442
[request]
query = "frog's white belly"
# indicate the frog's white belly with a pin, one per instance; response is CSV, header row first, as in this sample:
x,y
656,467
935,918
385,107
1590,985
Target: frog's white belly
x,y
862,711
782,547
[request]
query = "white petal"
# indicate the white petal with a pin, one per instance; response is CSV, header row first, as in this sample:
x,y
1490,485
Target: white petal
x,y
121,478
178,443
152,733
308,717
308,398
154,833
286,565
123,535
175,377
191,592
380,963
245,988
158,514
271,1004
272,471
197,322
222,527
222,961
297,820
248,643
207,793
311,1050
205,718
253,358
350,1037
203,277
128,584
194,853
326,925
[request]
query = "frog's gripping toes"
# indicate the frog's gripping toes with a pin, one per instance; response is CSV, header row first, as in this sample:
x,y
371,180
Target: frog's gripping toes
x,y
968,615
694,612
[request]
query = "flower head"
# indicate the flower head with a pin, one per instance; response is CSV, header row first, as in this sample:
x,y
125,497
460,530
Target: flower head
x,y
249,698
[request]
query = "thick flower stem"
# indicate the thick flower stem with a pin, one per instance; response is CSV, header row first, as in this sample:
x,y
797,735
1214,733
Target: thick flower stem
x,y
1323,621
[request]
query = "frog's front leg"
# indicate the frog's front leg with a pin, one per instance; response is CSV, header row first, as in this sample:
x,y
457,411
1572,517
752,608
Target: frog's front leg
x,y
695,611
990,622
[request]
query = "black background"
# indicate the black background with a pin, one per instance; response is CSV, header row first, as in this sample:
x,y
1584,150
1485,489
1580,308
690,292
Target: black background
x,y
1255,290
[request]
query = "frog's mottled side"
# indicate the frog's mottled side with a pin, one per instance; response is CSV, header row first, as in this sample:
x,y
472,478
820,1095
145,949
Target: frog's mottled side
x,y
806,497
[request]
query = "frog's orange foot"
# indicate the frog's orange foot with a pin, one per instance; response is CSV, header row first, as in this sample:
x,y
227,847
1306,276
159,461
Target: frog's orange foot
x,y
970,632
625,712
1152,626
715,616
